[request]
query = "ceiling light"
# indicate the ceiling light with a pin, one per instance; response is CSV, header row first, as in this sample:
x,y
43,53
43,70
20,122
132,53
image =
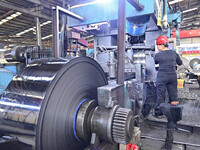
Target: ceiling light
x,y
14,15
48,36
10,17
45,23
18,13
175,1
103,1
85,4
90,3
4,20
33,28
189,10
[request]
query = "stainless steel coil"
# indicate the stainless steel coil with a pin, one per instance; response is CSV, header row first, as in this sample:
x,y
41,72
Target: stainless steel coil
x,y
39,105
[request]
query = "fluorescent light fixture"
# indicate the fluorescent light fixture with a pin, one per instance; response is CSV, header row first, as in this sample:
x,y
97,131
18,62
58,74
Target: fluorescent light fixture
x,y
18,13
96,1
48,36
80,5
10,17
4,20
175,1
45,23
104,1
33,28
189,10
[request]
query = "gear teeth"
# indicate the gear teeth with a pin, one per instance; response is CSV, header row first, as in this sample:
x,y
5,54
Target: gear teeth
x,y
120,124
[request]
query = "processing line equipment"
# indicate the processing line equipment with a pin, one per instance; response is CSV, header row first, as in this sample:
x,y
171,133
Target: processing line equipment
x,y
53,104
67,103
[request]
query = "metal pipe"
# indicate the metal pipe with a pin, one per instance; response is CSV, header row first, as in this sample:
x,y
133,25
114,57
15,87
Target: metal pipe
x,y
121,41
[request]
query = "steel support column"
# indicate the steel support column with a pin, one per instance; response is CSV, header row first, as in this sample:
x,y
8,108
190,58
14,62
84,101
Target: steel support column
x,y
165,22
121,41
178,42
62,34
38,32
55,28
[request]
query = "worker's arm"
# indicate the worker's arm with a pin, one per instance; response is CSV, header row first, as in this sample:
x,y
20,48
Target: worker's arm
x,y
178,60
156,59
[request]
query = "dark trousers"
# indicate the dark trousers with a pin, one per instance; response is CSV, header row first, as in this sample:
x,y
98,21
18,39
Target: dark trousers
x,y
166,82
149,98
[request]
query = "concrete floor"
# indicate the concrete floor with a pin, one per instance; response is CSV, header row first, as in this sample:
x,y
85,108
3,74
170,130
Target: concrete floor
x,y
153,130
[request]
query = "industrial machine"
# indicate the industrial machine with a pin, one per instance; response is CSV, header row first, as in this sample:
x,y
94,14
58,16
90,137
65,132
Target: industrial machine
x,y
190,70
52,104
14,60
75,103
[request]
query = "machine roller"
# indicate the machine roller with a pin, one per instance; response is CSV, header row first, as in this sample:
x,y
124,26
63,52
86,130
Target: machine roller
x,y
53,105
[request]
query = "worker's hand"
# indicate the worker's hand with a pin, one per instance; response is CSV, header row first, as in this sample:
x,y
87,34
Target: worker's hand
x,y
174,103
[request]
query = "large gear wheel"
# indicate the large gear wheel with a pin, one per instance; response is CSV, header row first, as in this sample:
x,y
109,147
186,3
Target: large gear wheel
x,y
122,127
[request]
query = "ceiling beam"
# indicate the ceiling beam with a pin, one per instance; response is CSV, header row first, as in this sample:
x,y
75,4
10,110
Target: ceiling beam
x,y
190,26
3,4
191,17
7,14
35,1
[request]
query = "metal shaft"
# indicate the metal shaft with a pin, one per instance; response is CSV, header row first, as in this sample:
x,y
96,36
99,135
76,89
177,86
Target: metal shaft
x,y
121,41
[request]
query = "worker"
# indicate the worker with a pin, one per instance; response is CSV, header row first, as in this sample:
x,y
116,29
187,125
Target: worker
x,y
166,77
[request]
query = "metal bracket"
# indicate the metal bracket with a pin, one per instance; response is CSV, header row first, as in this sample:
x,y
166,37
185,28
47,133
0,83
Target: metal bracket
x,y
68,13
136,4
108,95
55,26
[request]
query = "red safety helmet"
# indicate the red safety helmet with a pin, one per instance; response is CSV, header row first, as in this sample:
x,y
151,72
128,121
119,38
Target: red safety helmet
x,y
162,40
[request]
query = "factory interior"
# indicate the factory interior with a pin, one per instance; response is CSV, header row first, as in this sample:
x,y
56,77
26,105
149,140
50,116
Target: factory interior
x,y
48,103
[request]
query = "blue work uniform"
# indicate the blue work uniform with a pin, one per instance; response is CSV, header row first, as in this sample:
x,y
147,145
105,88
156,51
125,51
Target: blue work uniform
x,y
166,77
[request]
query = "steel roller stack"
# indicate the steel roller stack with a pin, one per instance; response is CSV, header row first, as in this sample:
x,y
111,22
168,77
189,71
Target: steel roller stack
x,y
53,105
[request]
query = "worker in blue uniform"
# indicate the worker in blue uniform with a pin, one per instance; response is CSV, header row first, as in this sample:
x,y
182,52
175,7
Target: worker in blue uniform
x,y
166,77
